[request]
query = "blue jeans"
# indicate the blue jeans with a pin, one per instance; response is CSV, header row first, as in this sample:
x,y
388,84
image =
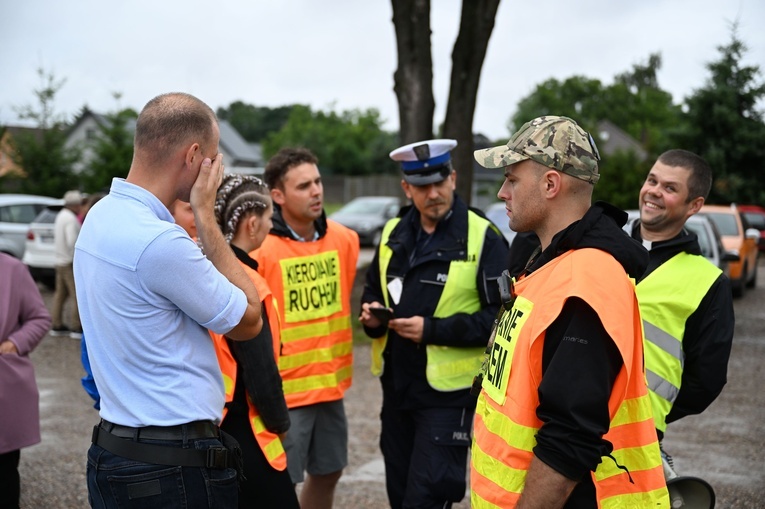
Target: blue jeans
x,y
117,482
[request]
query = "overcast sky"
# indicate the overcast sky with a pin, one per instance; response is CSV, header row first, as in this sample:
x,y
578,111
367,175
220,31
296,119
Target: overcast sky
x,y
342,54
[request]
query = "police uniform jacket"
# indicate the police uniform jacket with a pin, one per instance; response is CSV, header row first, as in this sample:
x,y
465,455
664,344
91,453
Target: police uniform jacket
x,y
422,262
708,331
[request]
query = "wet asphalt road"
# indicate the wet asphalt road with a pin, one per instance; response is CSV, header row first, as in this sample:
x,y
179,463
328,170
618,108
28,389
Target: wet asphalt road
x,y
725,445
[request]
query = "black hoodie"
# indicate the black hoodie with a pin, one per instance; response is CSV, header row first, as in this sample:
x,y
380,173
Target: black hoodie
x,y
280,228
577,376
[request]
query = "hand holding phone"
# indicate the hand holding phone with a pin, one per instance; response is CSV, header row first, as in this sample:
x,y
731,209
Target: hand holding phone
x,y
382,314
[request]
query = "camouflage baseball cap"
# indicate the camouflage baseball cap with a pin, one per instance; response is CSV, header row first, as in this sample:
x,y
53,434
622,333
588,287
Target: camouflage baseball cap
x,y
556,142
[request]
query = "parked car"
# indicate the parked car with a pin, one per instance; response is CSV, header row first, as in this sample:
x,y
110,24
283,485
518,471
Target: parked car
x,y
754,215
366,215
16,212
710,240
497,214
739,239
39,255
711,244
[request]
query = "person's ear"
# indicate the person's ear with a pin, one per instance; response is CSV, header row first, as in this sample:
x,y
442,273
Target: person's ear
x,y
405,187
696,205
277,195
193,155
252,224
551,182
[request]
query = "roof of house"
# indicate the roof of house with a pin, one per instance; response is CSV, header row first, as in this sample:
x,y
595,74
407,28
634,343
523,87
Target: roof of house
x,y
238,151
612,139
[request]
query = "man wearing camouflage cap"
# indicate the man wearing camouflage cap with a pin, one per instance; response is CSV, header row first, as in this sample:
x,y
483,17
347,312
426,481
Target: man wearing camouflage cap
x,y
563,417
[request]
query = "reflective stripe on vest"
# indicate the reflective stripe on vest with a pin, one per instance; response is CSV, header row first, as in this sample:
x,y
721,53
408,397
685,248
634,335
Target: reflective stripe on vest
x,y
448,368
314,281
269,443
667,297
506,423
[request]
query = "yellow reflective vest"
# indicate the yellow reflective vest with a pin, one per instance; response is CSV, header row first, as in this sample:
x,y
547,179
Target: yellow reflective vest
x,y
313,282
667,297
448,368
506,424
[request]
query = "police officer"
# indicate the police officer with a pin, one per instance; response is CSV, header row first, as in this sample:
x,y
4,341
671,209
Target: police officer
x,y
435,270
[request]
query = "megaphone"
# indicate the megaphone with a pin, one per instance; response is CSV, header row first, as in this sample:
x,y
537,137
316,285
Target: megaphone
x,y
686,492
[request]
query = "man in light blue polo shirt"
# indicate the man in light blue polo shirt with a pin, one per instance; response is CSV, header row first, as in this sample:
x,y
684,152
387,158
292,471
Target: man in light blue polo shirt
x,y
147,296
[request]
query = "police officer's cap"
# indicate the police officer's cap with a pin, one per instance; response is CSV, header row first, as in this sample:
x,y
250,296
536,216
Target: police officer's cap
x,y
425,162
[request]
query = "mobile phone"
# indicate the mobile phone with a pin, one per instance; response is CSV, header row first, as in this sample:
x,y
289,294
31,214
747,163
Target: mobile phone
x,y
382,314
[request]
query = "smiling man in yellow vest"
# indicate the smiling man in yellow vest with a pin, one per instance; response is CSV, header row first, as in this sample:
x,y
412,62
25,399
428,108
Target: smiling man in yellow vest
x,y
436,267
563,418
309,262
685,301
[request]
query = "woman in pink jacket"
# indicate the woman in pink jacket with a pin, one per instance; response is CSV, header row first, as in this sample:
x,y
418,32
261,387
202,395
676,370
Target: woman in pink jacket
x,y
24,321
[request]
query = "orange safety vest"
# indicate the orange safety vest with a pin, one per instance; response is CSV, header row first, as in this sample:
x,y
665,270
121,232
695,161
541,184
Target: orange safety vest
x,y
506,423
269,443
313,282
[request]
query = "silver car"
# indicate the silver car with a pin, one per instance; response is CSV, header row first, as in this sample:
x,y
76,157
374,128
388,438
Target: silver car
x,y
16,212
366,215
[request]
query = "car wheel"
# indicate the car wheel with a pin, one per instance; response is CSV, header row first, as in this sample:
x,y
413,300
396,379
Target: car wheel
x,y
753,282
738,285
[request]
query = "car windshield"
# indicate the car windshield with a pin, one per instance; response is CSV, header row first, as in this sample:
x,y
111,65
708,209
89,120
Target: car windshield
x,y
755,220
366,207
726,223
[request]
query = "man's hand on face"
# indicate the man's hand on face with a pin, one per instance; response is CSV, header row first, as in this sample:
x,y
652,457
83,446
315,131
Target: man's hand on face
x,y
205,187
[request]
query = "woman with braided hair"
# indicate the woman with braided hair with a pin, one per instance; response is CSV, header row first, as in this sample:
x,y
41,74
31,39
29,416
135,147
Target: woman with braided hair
x,y
255,412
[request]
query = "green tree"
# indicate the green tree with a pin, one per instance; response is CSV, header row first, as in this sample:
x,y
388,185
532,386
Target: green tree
x,y
638,105
255,123
46,159
577,97
347,143
112,150
622,175
724,125
633,102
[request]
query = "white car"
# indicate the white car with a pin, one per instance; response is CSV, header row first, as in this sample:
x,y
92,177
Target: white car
x,y
16,212
39,255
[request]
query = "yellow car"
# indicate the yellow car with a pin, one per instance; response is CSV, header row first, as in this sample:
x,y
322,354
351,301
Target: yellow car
x,y
727,218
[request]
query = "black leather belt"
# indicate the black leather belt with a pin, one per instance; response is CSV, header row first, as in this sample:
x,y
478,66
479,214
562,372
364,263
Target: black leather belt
x,y
213,457
189,431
